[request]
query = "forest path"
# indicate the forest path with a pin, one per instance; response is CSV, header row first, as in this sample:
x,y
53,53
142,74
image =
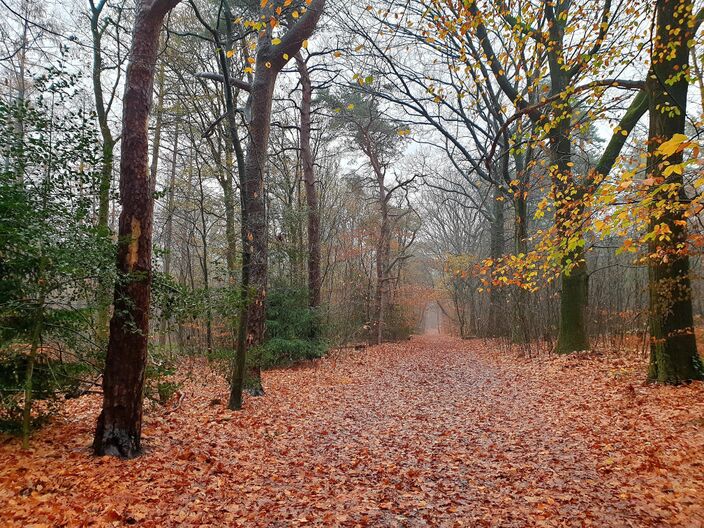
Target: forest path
x,y
430,432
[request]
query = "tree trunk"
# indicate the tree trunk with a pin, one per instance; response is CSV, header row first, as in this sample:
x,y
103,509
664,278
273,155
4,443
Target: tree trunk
x,y
314,277
497,314
383,247
520,332
169,229
119,426
382,263
269,62
239,363
108,148
567,192
228,192
35,342
673,347
205,267
238,371
256,243
156,144
227,183
572,335
21,95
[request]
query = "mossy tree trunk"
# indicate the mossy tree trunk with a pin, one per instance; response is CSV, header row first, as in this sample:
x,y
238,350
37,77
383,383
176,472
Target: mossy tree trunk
x,y
497,298
102,110
673,347
572,335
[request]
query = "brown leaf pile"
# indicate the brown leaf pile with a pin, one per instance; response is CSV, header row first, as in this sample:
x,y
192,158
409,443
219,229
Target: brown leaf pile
x,y
432,432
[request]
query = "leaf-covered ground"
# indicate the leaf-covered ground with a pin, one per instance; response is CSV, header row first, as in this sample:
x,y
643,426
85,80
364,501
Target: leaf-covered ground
x,y
432,432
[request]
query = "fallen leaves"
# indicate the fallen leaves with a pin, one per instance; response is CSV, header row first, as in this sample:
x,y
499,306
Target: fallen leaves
x,y
431,432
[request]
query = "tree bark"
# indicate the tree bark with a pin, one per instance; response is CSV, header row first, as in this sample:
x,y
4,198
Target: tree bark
x,y
496,326
269,61
673,347
572,334
255,244
383,251
169,229
314,277
119,427
520,330
205,266
156,144
228,191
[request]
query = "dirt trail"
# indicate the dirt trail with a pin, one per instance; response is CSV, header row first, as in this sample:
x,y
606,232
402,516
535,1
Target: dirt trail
x,y
431,432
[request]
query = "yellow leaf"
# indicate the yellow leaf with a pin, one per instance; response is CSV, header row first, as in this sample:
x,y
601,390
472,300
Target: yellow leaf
x,y
230,54
676,169
304,45
276,41
669,147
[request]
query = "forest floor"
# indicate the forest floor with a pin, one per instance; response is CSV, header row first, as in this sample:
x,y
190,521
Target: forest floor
x,y
430,432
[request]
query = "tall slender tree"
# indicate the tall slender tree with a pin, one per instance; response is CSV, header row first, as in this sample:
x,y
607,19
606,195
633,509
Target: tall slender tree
x,y
273,53
314,276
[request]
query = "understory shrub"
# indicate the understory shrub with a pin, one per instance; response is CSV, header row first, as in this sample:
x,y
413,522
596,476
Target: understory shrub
x,y
293,330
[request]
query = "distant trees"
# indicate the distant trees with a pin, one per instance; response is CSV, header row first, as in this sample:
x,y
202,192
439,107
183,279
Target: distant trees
x,y
360,118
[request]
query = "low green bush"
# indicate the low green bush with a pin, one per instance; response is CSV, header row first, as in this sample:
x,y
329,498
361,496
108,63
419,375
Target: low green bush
x,y
293,330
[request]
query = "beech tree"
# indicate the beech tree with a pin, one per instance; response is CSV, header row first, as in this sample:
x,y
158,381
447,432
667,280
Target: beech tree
x,y
673,348
119,428
499,39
